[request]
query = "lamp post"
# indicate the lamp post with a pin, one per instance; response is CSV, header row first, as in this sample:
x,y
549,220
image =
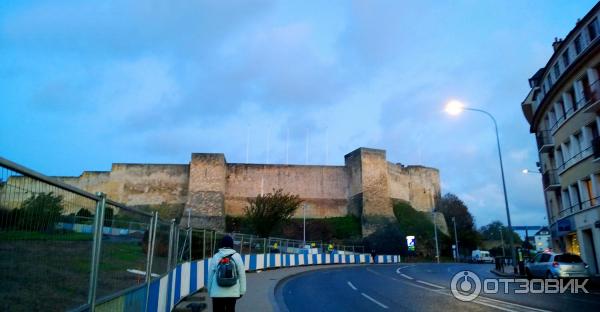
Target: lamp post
x,y
456,240
502,240
437,249
454,108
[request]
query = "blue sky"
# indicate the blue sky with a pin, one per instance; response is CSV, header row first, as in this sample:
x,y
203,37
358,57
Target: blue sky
x,y
85,84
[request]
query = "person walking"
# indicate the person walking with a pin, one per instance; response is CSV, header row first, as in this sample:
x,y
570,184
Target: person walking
x,y
227,277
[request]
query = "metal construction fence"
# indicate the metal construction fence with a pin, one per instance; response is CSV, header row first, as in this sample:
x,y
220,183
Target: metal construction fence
x,y
62,248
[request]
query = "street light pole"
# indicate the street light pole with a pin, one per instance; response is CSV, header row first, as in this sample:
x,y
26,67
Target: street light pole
x,y
455,107
437,249
456,239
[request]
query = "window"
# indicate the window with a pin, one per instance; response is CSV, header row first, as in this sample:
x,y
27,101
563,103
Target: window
x,y
565,57
543,89
577,45
558,200
592,129
566,199
551,118
592,28
568,258
570,108
556,71
545,258
589,191
560,111
576,200
584,90
559,157
576,143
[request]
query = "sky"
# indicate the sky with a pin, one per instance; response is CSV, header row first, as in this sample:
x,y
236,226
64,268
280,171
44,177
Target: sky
x,y
85,84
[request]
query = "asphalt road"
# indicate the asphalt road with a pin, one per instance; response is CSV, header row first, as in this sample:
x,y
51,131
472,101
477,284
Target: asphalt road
x,y
413,287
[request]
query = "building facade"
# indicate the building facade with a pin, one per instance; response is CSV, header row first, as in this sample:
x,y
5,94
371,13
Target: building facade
x,y
563,110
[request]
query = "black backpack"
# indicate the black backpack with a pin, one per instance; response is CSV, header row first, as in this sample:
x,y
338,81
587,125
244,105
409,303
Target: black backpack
x,y
227,275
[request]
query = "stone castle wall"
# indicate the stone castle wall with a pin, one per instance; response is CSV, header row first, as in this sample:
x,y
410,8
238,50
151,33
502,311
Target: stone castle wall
x,y
209,188
323,188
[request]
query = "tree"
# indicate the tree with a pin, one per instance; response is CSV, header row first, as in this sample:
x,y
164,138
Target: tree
x,y
265,212
419,224
40,211
453,207
492,232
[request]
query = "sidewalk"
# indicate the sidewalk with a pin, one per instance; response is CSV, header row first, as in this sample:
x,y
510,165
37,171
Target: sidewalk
x,y
508,272
260,293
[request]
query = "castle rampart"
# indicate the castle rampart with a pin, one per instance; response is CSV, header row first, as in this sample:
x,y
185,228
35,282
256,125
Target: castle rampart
x,y
209,188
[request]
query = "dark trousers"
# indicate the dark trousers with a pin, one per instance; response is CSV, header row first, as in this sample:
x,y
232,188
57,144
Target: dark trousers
x,y
223,304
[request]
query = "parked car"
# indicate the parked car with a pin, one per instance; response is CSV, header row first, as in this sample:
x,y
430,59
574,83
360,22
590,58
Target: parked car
x,y
554,265
480,256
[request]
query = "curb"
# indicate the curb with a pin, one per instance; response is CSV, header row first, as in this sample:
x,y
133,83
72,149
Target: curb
x,y
504,274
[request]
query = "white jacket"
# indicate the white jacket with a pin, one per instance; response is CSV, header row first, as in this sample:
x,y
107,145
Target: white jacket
x,y
235,291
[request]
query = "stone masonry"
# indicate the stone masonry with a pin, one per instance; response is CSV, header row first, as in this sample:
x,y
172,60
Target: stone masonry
x,y
209,188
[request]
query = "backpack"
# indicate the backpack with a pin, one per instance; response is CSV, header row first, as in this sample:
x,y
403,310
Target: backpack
x,y
227,275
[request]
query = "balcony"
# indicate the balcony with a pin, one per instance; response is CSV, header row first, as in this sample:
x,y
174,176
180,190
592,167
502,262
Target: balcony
x,y
575,159
585,205
550,180
545,142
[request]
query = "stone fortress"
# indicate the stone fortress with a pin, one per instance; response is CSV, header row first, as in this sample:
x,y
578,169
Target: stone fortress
x,y
211,188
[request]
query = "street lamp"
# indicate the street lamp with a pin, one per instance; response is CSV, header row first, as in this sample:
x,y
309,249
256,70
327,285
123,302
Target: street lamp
x,y
455,107
528,171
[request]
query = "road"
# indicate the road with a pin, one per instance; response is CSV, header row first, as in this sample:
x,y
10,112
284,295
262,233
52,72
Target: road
x,y
412,287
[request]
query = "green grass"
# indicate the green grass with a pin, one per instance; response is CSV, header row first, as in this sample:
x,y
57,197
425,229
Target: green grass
x,y
42,236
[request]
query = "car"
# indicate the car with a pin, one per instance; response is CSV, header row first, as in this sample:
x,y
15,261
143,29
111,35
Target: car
x,y
480,256
556,265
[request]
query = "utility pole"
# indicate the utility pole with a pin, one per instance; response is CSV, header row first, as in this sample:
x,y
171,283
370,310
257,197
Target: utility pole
x,y
437,249
455,239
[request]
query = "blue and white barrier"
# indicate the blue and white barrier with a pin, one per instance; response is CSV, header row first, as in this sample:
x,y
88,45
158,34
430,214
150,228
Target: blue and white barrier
x,y
187,278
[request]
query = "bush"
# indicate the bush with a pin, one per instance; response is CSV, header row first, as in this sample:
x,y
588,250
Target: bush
x,y
265,212
37,213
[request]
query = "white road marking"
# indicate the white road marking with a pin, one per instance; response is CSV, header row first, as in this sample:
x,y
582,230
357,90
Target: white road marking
x,y
509,305
404,267
485,301
351,286
375,301
406,276
429,284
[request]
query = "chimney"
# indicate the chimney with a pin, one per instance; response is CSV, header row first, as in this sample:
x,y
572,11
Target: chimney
x,y
556,44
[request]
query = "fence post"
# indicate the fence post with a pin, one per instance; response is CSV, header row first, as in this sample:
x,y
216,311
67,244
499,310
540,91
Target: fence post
x,y
203,243
176,236
96,250
242,246
170,254
214,242
250,245
150,256
190,232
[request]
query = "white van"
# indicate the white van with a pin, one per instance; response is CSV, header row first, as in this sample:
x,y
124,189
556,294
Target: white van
x,y
479,256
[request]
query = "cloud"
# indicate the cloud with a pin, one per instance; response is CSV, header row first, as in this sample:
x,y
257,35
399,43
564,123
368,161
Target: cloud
x,y
90,83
